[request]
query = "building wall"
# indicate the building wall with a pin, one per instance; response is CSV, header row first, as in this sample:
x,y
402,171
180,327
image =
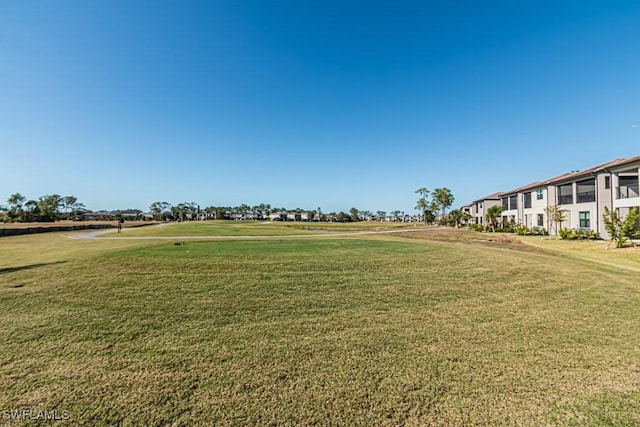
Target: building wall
x,y
481,212
511,214
530,215
604,199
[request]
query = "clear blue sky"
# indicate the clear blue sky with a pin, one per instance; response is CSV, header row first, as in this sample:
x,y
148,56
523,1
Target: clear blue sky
x,y
327,104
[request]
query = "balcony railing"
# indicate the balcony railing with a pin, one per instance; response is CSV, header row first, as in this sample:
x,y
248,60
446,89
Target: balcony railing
x,y
587,196
565,200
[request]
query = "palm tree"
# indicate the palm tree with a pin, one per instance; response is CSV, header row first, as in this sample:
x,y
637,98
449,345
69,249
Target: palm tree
x,y
493,213
454,218
422,204
433,210
443,198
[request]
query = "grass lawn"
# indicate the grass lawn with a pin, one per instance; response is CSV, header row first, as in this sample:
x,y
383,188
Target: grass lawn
x,y
433,328
254,228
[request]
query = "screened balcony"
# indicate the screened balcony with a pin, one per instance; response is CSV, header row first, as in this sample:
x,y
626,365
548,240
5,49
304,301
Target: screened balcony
x,y
565,194
586,190
628,187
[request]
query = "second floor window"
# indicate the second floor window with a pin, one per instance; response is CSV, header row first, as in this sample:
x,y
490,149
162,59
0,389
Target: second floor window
x,y
586,190
565,194
539,194
527,200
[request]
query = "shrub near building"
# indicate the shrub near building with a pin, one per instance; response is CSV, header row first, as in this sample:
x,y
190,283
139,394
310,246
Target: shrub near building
x,y
578,234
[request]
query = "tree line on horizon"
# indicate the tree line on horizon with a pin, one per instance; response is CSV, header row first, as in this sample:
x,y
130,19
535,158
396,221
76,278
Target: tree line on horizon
x,y
186,211
53,207
48,208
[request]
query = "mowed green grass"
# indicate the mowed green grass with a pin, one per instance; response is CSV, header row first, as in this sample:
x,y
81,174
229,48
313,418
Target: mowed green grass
x,y
254,228
449,330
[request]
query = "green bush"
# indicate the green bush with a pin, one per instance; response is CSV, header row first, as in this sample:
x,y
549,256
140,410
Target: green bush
x,y
578,234
523,230
476,227
506,229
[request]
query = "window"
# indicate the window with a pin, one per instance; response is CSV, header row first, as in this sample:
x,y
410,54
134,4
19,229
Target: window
x,y
565,194
585,219
513,202
540,220
539,194
607,182
505,203
527,200
586,190
480,205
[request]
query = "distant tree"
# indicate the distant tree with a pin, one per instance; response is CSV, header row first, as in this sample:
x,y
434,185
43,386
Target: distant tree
x,y
15,208
343,217
493,213
423,202
155,210
620,229
311,215
261,210
160,210
31,212
49,207
353,212
68,203
185,211
178,212
77,209
444,199
243,209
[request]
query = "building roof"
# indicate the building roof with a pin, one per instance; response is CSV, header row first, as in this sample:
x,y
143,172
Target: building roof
x,y
494,196
570,176
524,187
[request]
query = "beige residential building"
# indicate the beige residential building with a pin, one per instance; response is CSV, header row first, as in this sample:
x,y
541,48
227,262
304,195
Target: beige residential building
x,y
478,209
581,195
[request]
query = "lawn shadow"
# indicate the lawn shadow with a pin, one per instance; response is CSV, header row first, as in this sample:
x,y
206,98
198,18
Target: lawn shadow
x,y
28,267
